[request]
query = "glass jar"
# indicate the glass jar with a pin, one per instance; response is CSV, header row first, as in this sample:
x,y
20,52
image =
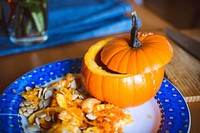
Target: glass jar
x,y
26,21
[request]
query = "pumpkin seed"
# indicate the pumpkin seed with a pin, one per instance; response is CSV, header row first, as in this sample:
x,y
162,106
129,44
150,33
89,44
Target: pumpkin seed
x,y
47,118
26,114
20,111
48,94
46,103
30,110
57,87
21,104
23,109
73,84
74,96
33,128
90,116
27,88
40,115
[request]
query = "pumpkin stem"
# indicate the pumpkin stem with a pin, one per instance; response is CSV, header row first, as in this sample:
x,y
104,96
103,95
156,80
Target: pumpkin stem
x,y
134,41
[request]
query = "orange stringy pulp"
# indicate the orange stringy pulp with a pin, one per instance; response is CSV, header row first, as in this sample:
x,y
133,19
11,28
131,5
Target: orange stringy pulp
x,y
70,108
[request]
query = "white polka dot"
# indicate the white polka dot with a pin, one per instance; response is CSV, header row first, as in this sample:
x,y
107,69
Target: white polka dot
x,y
41,78
164,80
182,114
169,123
179,101
32,82
171,117
10,108
29,76
34,71
4,94
166,131
11,125
23,77
170,109
3,99
51,73
16,82
50,66
63,69
10,117
58,63
43,69
174,95
13,101
173,89
180,131
159,92
185,126
182,107
166,85
166,100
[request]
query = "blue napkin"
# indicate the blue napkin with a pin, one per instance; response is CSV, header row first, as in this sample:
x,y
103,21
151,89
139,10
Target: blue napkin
x,y
75,20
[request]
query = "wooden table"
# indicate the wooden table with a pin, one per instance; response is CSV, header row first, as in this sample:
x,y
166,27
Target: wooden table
x,y
183,70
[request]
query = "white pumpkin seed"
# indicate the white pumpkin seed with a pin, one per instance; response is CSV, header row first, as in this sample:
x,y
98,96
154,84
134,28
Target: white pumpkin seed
x,y
26,114
40,93
40,115
90,116
46,103
47,118
27,88
35,108
37,121
57,87
27,103
20,111
23,109
30,110
33,128
21,104
74,96
73,84
44,91
41,104
48,94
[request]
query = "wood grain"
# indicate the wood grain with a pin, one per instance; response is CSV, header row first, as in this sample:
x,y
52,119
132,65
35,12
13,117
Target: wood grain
x,y
184,72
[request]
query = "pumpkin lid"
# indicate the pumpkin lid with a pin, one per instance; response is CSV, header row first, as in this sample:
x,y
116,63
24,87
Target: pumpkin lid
x,y
154,52
137,53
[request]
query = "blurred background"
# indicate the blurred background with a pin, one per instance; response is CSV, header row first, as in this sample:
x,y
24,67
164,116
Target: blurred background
x,y
179,13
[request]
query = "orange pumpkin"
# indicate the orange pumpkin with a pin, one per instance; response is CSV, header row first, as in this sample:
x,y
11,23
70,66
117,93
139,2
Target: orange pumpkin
x,y
126,71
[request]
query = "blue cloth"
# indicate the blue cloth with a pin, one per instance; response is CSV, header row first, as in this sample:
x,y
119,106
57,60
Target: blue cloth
x,y
75,20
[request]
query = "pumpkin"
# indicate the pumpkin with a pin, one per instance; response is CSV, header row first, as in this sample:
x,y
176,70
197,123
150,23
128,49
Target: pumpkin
x,y
126,71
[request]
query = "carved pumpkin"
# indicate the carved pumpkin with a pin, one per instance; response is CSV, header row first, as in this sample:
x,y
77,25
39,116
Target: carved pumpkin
x,y
126,71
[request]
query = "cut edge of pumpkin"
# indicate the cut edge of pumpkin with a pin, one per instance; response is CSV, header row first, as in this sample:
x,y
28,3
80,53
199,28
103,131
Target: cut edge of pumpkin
x,y
90,60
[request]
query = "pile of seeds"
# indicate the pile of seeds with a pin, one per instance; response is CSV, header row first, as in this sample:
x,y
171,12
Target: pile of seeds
x,y
66,106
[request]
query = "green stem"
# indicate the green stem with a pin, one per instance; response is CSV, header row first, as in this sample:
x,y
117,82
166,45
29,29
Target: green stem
x,y
39,20
134,42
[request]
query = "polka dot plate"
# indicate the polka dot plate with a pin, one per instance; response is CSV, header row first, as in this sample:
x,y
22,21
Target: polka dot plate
x,y
167,112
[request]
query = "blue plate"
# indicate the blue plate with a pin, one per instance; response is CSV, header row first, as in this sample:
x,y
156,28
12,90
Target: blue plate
x,y
174,118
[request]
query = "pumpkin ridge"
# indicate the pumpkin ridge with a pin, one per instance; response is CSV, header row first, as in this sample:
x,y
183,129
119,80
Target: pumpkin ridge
x,y
160,59
128,51
105,61
132,64
114,56
147,61
166,53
